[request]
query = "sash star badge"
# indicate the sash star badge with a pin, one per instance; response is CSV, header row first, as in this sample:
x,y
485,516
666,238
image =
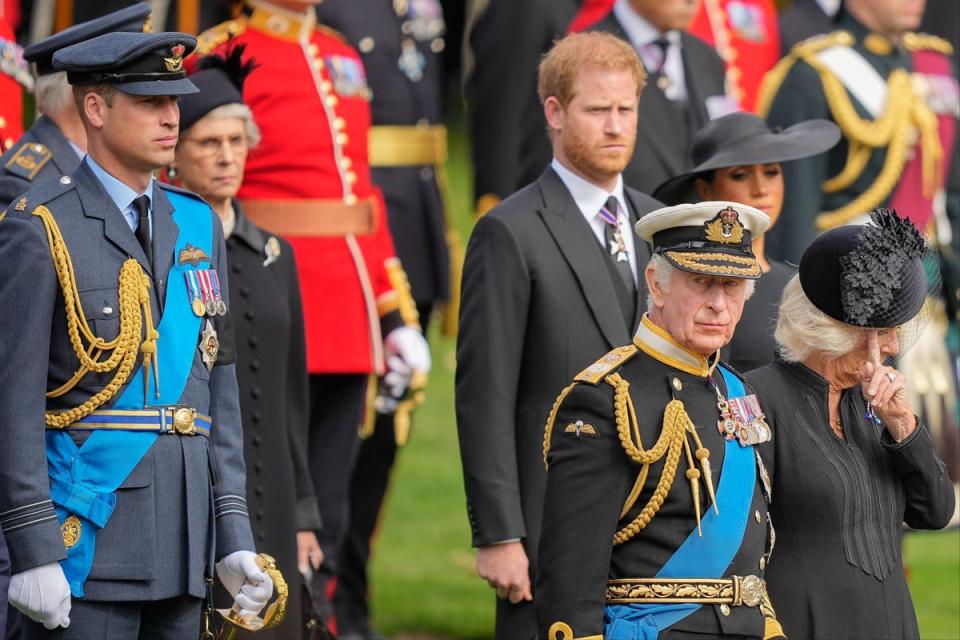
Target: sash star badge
x,y
209,345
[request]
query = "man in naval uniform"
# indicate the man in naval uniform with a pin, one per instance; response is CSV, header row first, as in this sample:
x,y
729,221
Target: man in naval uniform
x,y
654,517
895,97
56,142
124,352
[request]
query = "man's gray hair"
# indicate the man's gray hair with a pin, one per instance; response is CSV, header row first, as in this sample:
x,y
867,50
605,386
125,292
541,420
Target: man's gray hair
x,y
53,93
236,110
663,273
803,330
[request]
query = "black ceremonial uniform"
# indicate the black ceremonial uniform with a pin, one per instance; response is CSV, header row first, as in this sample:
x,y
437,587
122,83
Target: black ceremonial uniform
x,y
400,44
42,153
591,477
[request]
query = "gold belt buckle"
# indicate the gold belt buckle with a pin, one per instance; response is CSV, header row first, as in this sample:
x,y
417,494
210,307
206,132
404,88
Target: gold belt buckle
x,y
751,590
184,421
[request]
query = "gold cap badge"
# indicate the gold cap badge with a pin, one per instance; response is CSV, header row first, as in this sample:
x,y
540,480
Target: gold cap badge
x,y
175,62
725,227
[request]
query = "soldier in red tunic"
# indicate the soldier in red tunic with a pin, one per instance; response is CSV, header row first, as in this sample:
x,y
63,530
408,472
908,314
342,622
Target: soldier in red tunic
x,y
309,181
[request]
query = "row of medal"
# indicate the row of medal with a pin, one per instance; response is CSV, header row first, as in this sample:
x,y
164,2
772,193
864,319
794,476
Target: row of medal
x,y
743,419
203,288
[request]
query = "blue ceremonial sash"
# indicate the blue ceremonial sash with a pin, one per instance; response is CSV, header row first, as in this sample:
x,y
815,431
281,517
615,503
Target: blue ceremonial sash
x,y
83,480
706,556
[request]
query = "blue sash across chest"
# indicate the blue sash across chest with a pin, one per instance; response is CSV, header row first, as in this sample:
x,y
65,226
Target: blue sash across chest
x,y
84,480
699,556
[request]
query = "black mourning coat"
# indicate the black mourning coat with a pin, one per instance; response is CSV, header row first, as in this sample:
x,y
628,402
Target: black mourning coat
x,y
538,305
664,130
838,505
272,374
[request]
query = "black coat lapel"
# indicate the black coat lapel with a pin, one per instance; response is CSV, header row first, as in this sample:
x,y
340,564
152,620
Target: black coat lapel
x,y
698,89
98,204
578,245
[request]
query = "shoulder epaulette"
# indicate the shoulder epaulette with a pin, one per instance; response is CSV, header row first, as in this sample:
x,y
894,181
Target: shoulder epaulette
x,y
818,43
602,367
216,36
28,159
927,42
328,31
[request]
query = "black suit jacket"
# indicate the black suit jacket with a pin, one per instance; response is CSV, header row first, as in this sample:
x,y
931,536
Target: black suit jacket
x,y
662,134
538,306
63,160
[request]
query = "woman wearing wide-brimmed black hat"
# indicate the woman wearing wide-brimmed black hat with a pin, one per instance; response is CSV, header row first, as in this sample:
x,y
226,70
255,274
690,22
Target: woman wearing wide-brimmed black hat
x,y
737,158
850,461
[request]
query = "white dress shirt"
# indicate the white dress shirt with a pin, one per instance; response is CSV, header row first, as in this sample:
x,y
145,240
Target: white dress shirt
x,y
642,36
590,199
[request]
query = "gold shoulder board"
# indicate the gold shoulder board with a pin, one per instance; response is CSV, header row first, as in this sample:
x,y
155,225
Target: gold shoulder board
x,y
818,43
610,361
216,36
927,42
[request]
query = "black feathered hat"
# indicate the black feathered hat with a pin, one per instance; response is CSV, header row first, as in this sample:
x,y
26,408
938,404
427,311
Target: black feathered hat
x,y
220,80
868,275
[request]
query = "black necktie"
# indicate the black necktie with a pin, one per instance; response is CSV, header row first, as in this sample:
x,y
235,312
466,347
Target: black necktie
x,y
617,247
141,205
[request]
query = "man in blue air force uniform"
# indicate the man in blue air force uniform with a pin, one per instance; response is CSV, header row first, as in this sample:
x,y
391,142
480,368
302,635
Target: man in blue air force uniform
x,y
655,515
121,345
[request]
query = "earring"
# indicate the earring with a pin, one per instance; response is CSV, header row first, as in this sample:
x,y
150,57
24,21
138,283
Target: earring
x,y
171,172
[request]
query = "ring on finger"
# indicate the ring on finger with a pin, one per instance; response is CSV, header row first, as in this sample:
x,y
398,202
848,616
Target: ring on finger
x,y
891,376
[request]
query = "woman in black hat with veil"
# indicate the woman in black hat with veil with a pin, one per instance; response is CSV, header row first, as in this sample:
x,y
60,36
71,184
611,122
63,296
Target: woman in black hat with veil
x,y
850,461
737,158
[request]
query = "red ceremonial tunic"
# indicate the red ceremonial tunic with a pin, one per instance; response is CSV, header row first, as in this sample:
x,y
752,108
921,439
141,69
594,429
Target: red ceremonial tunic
x,y
309,98
13,72
747,38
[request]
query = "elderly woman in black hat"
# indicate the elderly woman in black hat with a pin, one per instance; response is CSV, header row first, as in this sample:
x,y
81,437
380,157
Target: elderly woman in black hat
x,y
850,460
216,131
737,158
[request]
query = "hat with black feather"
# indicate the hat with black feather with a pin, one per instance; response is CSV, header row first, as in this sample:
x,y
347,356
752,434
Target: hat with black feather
x,y
220,79
868,275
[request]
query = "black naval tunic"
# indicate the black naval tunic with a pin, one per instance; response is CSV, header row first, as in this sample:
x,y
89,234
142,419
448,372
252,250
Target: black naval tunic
x,y
272,375
838,506
42,153
590,476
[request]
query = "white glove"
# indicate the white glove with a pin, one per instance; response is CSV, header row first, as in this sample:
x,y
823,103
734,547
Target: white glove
x,y
42,594
406,351
249,585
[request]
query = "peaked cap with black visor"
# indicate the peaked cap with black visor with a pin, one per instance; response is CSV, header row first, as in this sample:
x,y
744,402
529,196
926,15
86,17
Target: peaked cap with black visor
x,y
140,64
713,238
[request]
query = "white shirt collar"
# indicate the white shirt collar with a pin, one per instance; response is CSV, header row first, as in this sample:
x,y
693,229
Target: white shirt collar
x,y
589,197
829,7
638,29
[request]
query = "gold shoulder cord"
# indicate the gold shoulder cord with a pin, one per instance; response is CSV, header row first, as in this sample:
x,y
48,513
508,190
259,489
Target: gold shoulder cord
x,y
134,295
673,438
904,111
551,418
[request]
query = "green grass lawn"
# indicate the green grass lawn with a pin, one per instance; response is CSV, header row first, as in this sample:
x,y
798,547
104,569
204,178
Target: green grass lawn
x,y
423,573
